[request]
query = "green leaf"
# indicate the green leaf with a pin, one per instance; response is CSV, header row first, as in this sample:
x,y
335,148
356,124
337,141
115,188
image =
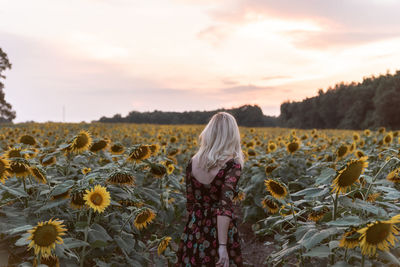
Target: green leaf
x,y
346,221
23,240
15,192
98,244
326,176
62,188
317,237
390,257
74,243
363,205
342,264
319,252
52,204
19,229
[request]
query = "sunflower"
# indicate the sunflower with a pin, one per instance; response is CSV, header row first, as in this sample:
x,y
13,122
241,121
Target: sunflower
x,y
144,218
276,189
293,146
251,152
121,178
349,174
158,170
154,149
99,145
379,234
356,137
81,142
173,139
51,261
270,168
45,235
170,169
27,140
117,149
139,153
98,198
394,176
388,138
342,151
270,204
271,147
350,239
316,215
4,167
77,201
367,132
63,195
39,174
239,197
19,168
163,244
173,152
359,154
86,170
15,153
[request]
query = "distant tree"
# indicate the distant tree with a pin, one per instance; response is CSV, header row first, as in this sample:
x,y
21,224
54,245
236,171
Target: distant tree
x,y
6,112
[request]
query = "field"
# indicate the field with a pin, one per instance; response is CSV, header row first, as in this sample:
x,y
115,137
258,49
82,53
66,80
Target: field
x,y
114,194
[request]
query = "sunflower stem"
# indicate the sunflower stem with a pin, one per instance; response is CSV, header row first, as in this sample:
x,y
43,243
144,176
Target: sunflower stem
x,y
26,198
345,255
123,225
362,260
335,205
373,179
86,235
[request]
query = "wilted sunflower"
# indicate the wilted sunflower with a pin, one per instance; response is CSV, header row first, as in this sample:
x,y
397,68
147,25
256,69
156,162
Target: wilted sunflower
x,y
154,148
117,149
270,168
144,218
379,234
163,244
4,167
293,146
27,140
394,176
276,189
121,178
19,167
45,235
99,145
81,142
50,261
77,201
139,153
349,175
39,174
158,170
98,198
350,239
269,204
342,151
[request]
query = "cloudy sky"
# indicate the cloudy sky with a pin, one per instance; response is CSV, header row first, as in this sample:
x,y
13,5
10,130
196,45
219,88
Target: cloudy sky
x,y
101,57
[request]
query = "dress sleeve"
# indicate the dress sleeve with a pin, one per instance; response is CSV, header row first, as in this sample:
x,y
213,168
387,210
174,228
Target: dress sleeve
x,y
229,190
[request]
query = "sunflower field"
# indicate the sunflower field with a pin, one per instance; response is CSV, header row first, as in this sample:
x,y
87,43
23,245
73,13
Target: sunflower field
x,y
114,194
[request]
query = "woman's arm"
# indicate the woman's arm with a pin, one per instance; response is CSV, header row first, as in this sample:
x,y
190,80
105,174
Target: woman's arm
x,y
225,209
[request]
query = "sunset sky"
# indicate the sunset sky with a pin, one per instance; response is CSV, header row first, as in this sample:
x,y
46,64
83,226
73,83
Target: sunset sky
x,y
103,57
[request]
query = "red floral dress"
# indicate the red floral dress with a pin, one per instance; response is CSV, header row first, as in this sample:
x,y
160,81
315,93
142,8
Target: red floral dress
x,y
199,240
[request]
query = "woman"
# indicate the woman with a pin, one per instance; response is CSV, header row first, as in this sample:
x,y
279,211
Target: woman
x,y
211,237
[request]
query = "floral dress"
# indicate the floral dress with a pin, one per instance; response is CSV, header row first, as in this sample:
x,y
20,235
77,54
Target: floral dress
x,y
199,240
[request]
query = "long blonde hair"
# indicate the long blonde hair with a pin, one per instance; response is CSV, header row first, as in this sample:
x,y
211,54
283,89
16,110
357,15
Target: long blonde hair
x,y
219,141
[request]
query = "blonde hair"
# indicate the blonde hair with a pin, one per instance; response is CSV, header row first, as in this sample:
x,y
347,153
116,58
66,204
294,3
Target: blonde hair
x,y
219,141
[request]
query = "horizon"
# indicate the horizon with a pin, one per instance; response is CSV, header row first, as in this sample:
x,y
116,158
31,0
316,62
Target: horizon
x,y
117,56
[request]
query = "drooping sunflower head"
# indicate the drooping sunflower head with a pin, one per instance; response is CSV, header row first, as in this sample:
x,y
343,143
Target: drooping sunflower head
x,y
46,160
4,167
342,151
15,152
269,204
318,214
117,149
19,167
121,178
348,175
163,244
27,140
51,261
275,188
77,201
39,174
293,146
45,235
144,217
394,176
81,142
98,198
139,153
350,239
379,234
154,148
99,145
158,170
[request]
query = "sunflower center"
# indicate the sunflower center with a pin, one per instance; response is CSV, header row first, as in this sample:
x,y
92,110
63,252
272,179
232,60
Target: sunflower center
x,y
276,188
350,174
378,233
97,199
17,167
45,235
81,141
142,217
293,146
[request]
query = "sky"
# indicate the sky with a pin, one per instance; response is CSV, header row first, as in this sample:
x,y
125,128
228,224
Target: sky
x,y
79,60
